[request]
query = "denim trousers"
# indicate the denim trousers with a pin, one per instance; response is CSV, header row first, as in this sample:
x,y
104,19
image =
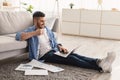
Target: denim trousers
x,y
72,59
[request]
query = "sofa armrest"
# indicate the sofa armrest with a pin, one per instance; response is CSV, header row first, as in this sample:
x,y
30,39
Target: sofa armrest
x,y
52,23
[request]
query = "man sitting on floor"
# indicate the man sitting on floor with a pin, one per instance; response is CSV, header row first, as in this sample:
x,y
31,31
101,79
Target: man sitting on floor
x,y
42,46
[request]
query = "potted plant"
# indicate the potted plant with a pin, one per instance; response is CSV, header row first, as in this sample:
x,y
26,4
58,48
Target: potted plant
x,y
29,8
71,5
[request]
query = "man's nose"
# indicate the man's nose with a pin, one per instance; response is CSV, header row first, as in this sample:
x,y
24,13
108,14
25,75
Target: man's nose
x,y
43,23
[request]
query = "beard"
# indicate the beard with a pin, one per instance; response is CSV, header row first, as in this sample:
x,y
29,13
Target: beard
x,y
40,26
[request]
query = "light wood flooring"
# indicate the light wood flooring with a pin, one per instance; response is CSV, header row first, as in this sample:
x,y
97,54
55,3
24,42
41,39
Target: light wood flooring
x,y
96,48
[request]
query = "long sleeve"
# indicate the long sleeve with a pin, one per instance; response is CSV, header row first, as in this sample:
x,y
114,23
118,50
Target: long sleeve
x,y
18,34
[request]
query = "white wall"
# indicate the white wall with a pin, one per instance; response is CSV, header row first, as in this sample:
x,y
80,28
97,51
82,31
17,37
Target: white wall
x,y
51,5
88,4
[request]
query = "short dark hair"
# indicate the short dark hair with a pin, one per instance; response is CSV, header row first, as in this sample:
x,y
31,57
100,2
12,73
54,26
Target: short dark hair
x,y
38,14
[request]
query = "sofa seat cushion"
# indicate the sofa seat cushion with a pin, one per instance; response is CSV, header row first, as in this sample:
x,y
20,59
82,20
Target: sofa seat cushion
x,y
9,43
10,35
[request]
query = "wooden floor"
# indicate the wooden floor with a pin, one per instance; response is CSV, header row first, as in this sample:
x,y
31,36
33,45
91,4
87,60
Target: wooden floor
x,y
96,48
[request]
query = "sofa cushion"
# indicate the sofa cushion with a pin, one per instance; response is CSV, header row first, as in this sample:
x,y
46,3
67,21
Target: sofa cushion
x,y
10,35
9,43
11,22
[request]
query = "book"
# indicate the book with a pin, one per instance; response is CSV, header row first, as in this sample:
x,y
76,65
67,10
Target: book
x,y
66,54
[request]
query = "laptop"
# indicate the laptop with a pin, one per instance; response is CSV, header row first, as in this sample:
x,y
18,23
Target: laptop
x,y
66,54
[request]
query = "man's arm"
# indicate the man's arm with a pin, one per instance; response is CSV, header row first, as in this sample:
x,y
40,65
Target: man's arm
x,y
60,47
27,35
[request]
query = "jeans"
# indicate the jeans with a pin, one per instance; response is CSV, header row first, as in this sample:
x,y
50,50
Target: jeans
x,y
72,59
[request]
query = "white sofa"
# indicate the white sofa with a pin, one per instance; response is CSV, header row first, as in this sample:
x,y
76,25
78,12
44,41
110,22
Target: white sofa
x,y
12,22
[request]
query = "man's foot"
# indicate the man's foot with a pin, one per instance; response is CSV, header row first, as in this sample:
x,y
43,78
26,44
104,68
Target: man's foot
x,y
106,63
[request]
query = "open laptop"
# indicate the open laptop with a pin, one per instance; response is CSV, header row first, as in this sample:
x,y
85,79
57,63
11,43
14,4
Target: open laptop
x,y
66,54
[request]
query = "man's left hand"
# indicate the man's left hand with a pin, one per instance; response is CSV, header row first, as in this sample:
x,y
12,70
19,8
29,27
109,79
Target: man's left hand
x,y
62,49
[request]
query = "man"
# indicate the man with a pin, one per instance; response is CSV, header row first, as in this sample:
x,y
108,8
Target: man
x,y
42,46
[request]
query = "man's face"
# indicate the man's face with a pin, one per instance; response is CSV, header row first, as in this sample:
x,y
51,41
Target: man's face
x,y
40,22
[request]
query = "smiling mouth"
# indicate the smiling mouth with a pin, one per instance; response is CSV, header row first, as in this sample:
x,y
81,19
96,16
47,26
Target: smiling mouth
x,y
41,27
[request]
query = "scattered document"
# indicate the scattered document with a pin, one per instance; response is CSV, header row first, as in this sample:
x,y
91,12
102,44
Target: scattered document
x,y
28,68
36,72
23,67
48,67
66,54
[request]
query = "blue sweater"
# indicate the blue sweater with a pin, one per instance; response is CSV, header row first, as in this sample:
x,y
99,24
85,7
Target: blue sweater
x,y
33,42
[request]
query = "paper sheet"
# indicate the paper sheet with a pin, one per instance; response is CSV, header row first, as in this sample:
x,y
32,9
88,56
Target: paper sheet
x,y
36,72
23,67
48,67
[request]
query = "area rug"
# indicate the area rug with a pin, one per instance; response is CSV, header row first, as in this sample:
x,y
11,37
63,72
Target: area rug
x,y
7,72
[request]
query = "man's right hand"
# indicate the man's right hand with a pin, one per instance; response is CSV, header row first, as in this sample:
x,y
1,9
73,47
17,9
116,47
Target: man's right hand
x,y
39,31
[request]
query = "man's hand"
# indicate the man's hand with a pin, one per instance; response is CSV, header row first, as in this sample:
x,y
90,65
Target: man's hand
x,y
62,49
39,31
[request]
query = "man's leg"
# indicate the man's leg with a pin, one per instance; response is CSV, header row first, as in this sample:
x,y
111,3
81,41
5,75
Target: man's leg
x,y
88,59
105,64
70,60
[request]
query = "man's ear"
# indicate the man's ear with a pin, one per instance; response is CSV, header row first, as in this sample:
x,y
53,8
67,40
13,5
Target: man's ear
x,y
35,21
